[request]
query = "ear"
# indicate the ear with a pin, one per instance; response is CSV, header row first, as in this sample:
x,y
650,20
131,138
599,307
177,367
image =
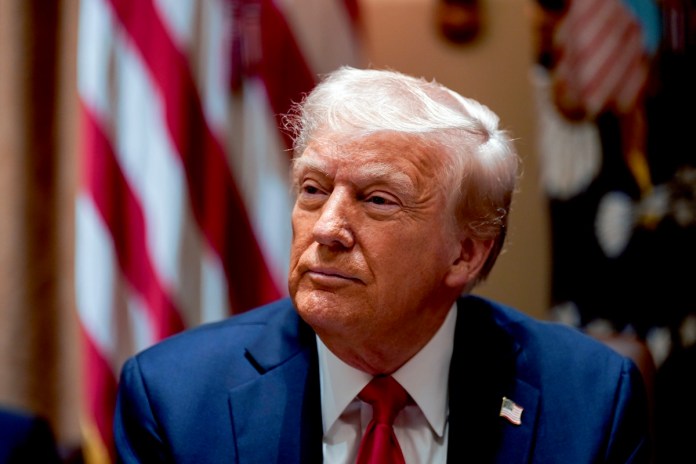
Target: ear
x,y
468,263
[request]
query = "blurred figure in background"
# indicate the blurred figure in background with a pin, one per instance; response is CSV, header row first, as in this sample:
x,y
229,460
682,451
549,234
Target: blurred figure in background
x,y
26,438
613,78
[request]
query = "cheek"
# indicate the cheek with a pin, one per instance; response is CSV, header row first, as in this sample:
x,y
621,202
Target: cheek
x,y
415,255
301,231
296,247
302,240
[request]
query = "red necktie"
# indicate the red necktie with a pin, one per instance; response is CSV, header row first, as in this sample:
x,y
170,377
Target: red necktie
x,y
379,444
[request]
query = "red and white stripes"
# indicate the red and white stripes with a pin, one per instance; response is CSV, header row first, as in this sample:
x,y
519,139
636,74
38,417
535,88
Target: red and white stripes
x,y
602,62
182,213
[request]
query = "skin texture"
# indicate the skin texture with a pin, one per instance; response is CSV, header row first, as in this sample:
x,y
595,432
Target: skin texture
x,y
376,258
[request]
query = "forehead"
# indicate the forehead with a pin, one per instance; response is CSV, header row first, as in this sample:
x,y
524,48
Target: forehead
x,y
384,154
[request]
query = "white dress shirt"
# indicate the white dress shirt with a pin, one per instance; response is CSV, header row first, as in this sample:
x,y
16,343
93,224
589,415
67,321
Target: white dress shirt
x,y
421,428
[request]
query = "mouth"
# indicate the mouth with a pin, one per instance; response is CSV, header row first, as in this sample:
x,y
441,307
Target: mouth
x,y
331,276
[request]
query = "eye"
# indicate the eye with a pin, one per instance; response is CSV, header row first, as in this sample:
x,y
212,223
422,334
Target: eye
x,y
310,189
378,200
382,201
310,194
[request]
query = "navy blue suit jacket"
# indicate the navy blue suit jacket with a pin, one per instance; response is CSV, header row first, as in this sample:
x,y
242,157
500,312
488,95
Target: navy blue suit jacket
x,y
246,390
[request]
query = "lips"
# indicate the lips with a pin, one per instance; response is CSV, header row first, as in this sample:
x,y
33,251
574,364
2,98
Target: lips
x,y
331,272
331,275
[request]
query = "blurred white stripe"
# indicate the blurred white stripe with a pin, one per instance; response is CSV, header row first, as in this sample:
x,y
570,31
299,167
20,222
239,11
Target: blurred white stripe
x,y
324,32
261,167
179,16
97,33
115,320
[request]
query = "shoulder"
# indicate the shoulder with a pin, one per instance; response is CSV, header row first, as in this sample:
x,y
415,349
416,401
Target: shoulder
x,y
533,333
548,348
212,348
590,398
224,336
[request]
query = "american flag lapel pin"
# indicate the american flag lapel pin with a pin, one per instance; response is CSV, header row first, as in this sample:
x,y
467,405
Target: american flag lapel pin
x,y
511,411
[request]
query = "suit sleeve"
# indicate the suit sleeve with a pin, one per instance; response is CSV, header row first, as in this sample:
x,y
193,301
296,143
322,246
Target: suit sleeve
x,y
137,435
629,441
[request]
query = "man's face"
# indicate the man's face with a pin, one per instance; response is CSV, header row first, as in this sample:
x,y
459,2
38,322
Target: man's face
x,y
373,241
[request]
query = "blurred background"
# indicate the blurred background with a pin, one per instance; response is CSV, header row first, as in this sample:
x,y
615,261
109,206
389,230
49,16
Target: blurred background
x,y
144,188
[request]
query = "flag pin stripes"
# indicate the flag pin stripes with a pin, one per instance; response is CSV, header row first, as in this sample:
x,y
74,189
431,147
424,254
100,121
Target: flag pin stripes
x,y
511,411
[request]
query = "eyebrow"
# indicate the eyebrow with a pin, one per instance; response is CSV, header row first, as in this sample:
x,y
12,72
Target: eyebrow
x,y
369,173
386,173
303,164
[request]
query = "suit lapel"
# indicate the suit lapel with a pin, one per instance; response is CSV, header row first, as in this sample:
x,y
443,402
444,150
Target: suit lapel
x,y
484,369
277,417
516,440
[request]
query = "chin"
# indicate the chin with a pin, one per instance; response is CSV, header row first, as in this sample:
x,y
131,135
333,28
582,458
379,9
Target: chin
x,y
325,311
315,303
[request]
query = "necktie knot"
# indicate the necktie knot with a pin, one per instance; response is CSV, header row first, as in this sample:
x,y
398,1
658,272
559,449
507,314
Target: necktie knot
x,y
386,396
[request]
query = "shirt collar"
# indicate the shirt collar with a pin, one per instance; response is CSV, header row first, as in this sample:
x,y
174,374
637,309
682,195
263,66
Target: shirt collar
x,y
425,376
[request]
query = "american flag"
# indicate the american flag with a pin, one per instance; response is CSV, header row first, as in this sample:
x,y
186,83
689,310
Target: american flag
x,y
511,411
183,206
603,54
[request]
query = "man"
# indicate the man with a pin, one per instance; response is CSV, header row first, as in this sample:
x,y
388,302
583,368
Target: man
x,y
403,193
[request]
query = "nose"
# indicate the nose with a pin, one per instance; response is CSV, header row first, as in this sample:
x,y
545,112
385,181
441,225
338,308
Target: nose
x,y
333,228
